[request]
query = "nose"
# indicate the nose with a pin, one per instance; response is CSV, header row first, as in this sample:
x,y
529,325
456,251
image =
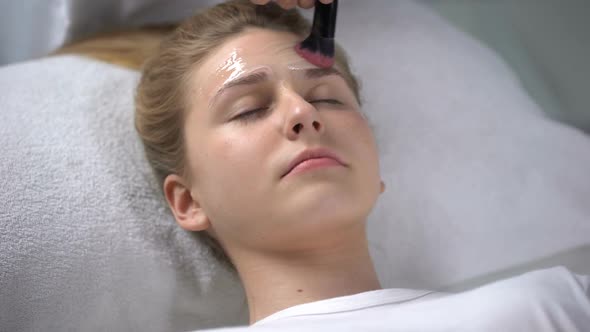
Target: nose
x,y
302,117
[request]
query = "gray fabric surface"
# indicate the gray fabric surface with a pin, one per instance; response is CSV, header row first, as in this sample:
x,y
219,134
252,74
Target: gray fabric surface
x,y
86,243
479,181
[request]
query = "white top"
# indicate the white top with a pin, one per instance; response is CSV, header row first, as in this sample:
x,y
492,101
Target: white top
x,y
553,299
375,300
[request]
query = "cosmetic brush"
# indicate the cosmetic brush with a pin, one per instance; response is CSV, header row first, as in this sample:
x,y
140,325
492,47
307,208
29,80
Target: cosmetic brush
x,y
318,48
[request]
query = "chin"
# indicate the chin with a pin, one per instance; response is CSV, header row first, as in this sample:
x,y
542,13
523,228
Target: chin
x,y
329,202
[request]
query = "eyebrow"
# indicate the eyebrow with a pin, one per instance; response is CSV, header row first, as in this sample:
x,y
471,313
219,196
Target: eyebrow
x,y
251,79
259,77
254,78
321,72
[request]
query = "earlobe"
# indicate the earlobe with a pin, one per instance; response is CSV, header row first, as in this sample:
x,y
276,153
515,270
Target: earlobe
x,y
186,210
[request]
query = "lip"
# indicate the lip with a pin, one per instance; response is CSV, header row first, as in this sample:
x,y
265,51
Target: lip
x,y
315,153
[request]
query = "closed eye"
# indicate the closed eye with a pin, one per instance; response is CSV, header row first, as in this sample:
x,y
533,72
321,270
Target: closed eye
x,y
261,111
327,101
251,114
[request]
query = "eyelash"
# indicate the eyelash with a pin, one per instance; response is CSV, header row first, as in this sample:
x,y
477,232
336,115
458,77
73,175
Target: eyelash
x,y
259,112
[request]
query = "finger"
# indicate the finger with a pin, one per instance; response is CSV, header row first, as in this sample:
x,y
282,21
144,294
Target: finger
x,y
306,3
260,2
326,2
287,4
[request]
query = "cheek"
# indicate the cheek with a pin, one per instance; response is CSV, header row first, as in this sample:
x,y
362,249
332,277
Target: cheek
x,y
241,147
361,140
236,176
238,159
359,133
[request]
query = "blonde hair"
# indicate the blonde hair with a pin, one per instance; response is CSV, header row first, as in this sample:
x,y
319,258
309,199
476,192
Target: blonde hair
x,y
160,96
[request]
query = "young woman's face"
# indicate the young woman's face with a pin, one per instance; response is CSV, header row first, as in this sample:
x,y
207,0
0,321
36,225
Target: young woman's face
x,y
254,106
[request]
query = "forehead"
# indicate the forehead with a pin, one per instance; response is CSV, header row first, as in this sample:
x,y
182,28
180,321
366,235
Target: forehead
x,y
256,46
251,49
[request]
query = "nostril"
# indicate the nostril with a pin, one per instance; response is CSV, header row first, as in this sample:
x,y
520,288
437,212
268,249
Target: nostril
x,y
297,127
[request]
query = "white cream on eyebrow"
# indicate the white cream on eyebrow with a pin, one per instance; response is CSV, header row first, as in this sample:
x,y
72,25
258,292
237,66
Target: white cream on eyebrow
x,y
238,74
243,72
304,65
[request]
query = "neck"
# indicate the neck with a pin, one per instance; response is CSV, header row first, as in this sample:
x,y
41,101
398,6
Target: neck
x,y
276,282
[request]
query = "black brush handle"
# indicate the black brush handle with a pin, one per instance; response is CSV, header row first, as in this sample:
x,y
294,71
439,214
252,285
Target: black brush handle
x,y
324,19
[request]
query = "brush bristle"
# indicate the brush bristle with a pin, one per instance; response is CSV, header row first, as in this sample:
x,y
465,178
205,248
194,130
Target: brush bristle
x,y
316,50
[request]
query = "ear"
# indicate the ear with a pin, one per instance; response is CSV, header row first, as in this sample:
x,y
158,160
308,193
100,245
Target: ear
x,y
187,211
382,187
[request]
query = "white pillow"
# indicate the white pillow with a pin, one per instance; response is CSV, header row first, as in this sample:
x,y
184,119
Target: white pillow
x,y
86,241
479,182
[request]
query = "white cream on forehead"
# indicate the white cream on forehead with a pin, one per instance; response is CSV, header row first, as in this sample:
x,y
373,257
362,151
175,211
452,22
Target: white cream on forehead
x,y
234,64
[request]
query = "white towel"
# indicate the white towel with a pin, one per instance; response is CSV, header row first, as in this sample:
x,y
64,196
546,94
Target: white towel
x,y
86,242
